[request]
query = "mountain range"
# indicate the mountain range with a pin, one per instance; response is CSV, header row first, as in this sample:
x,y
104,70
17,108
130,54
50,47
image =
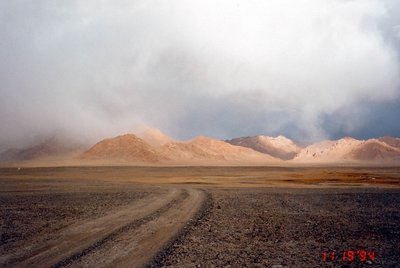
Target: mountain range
x,y
280,147
152,147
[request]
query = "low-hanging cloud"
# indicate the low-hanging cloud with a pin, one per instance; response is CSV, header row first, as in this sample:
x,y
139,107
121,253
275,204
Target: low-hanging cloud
x,y
221,68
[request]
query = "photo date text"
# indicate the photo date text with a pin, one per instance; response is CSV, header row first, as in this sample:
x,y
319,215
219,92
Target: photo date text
x,y
348,255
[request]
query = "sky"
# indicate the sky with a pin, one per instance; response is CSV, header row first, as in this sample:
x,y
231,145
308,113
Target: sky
x,y
306,69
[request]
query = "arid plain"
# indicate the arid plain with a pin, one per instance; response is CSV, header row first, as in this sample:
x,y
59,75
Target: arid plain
x,y
200,133
200,216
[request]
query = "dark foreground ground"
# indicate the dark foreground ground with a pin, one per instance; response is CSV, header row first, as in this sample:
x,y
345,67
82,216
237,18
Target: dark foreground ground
x,y
248,217
293,228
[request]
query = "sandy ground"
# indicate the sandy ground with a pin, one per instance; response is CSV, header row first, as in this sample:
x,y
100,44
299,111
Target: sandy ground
x,y
198,216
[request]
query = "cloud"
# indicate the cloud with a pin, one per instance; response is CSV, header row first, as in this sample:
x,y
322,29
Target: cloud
x,y
221,68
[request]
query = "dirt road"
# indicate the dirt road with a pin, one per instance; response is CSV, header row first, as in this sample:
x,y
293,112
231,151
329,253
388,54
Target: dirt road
x,y
243,217
129,236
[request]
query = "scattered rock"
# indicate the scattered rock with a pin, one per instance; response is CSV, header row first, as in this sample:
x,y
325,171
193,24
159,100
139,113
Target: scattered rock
x,y
287,228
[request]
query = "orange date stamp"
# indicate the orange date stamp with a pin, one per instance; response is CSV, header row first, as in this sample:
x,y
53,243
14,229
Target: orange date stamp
x,y
348,255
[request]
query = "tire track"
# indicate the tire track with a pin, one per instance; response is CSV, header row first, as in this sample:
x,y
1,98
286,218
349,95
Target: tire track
x,y
135,247
112,236
82,236
160,259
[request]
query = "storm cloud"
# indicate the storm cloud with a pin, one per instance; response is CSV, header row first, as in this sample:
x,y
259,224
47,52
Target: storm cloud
x,y
308,69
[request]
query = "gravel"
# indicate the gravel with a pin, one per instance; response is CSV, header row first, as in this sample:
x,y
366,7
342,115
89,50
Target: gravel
x,y
292,228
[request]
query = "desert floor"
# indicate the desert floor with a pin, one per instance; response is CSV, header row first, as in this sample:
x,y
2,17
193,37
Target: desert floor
x,y
200,217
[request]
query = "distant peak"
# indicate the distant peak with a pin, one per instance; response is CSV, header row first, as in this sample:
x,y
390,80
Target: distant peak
x,y
280,139
149,130
154,136
201,138
127,135
348,138
283,138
